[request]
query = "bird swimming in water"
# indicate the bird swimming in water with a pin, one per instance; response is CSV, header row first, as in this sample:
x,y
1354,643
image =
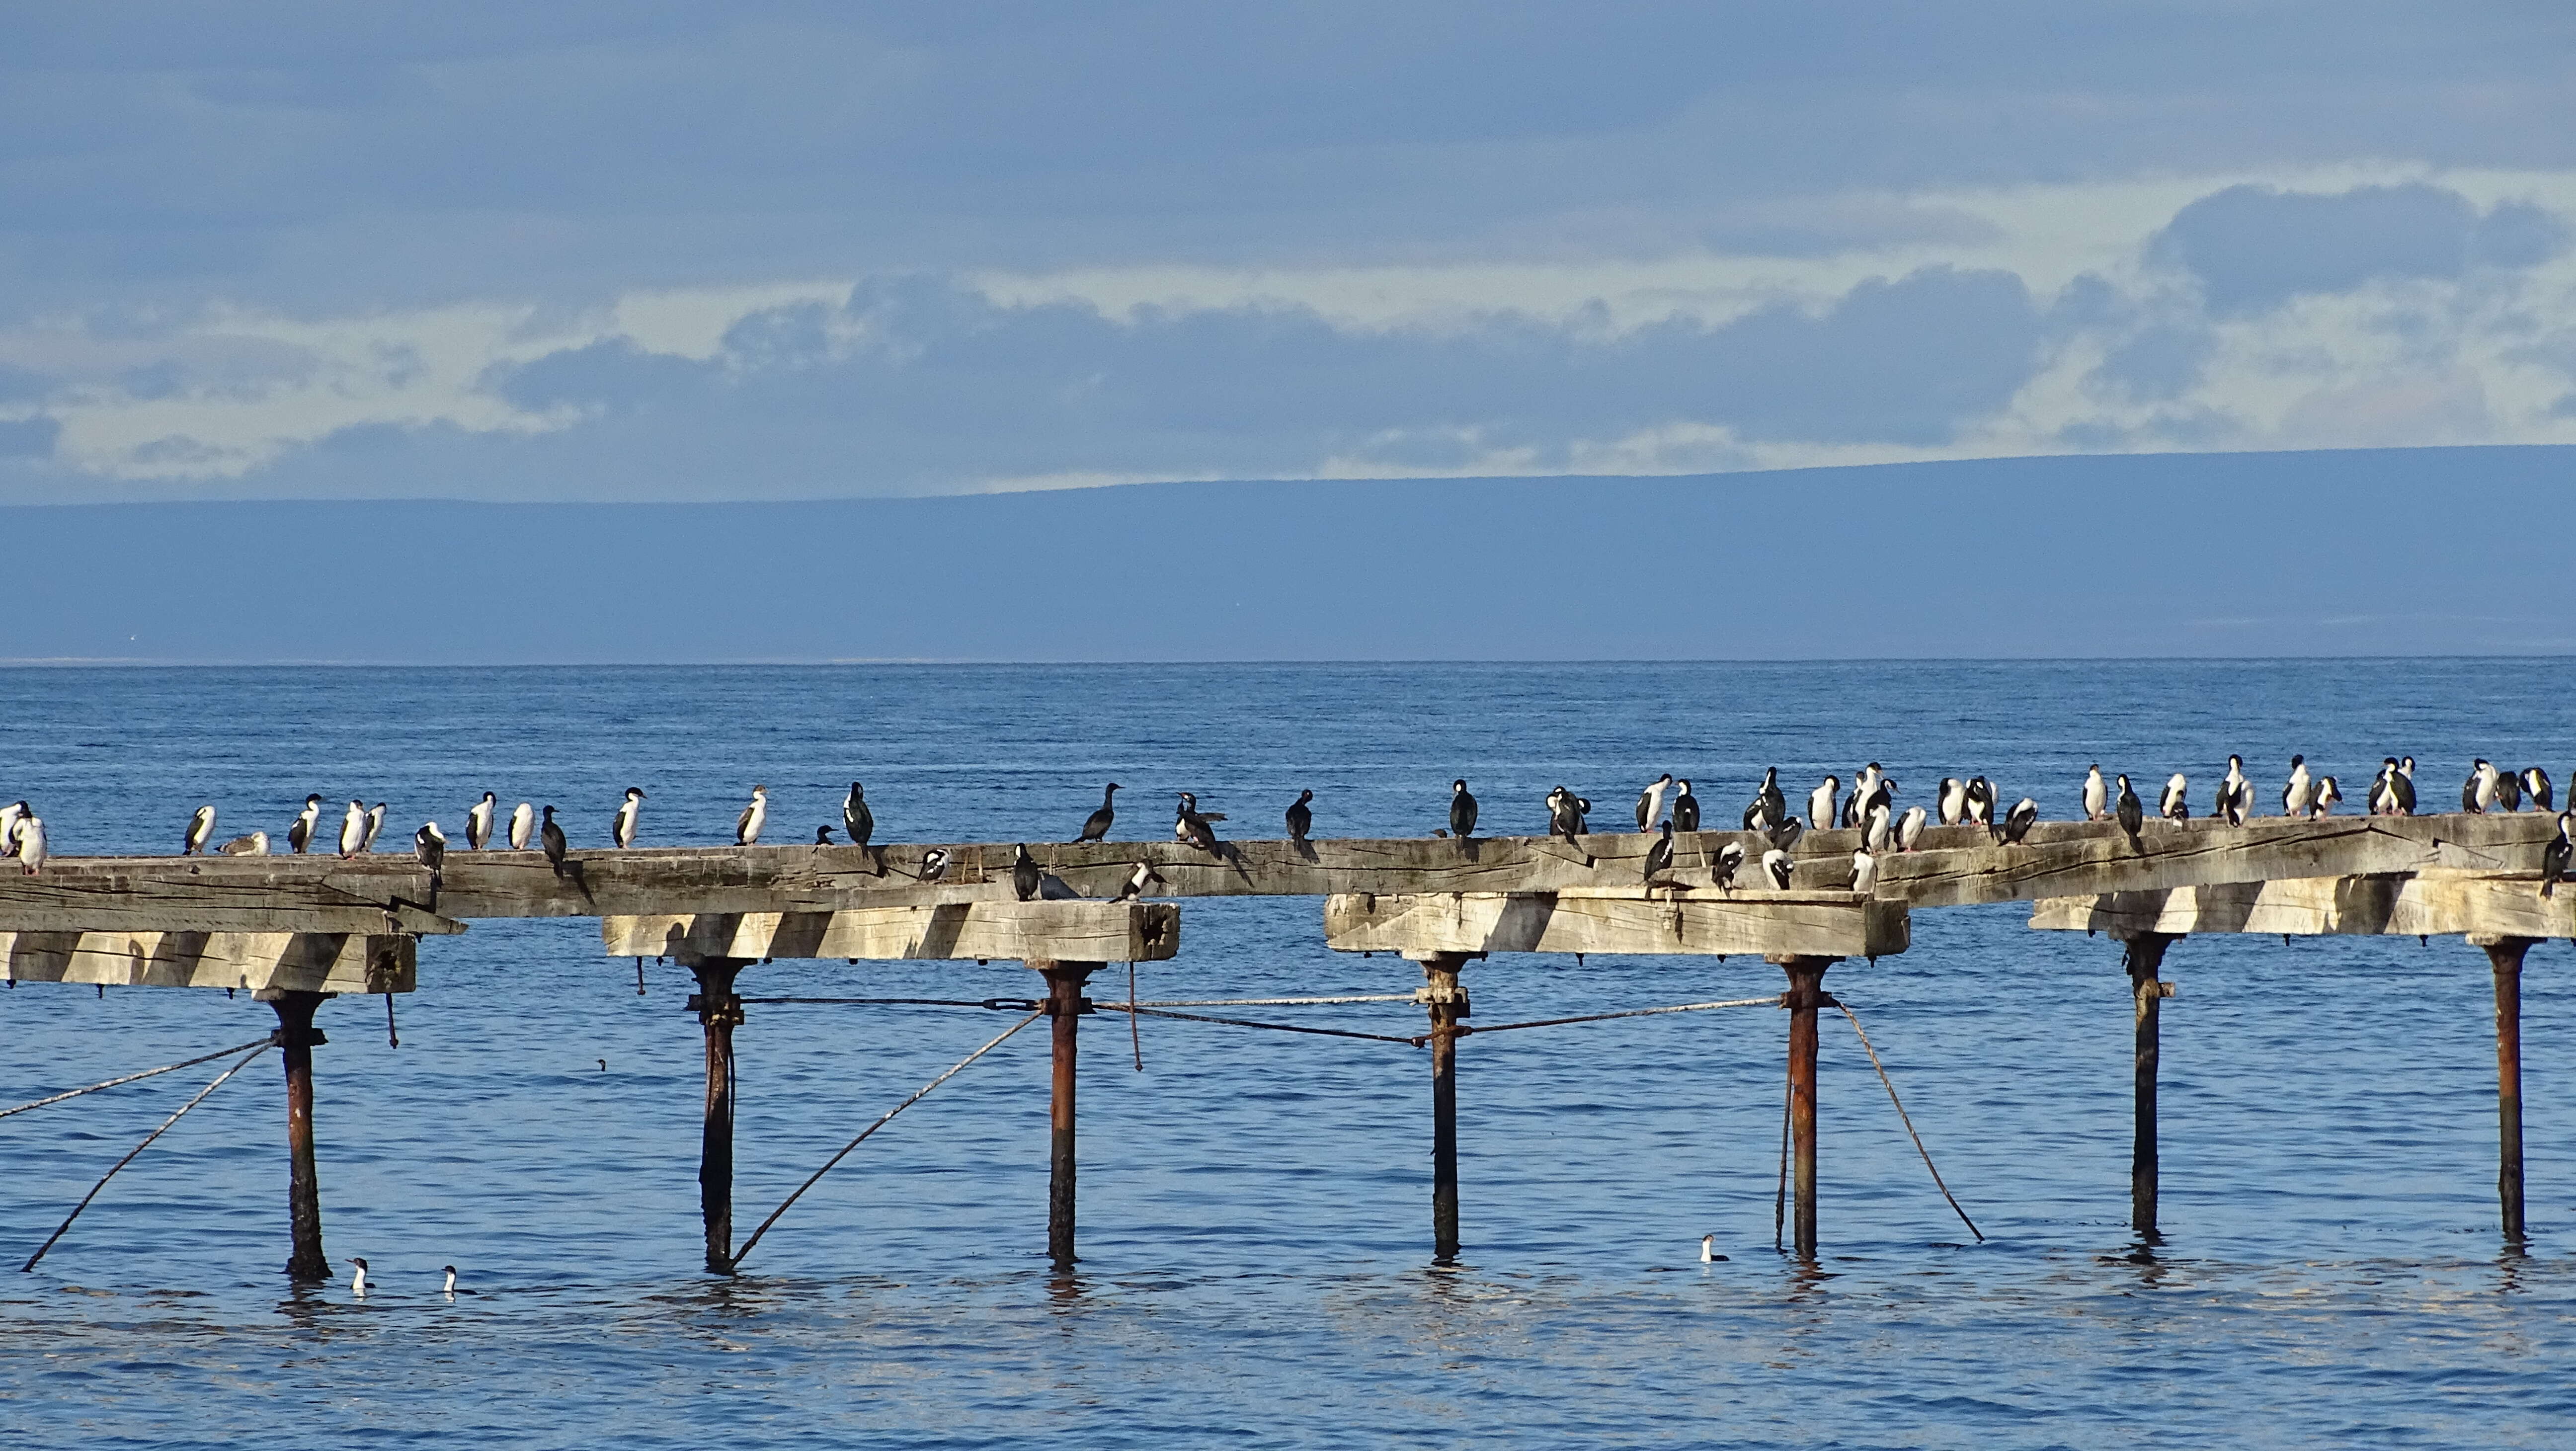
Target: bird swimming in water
x,y
428,846
358,1281
1462,810
2554,857
1301,816
2097,794
1650,802
1909,828
934,864
621,829
1659,857
1952,797
823,836
2297,793
2019,820
478,821
523,825
2535,784
201,829
1685,809
553,837
858,823
375,824
1864,872
255,844
2130,813
1025,876
2328,793
353,828
299,835
746,827
2175,804
450,1270
1730,860
1095,827
1777,866
1192,825
1137,881
1708,1254
1820,803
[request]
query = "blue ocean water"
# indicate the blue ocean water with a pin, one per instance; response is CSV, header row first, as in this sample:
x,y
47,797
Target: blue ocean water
x,y
1255,1218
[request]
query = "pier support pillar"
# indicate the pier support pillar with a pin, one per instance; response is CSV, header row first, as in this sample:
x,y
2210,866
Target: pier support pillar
x,y
720,1012
2504,955
2144,956
1066,1005
296,1037
1447,1002
1806,994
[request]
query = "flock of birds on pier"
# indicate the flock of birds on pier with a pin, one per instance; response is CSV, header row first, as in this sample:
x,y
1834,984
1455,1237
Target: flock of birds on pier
x,y
1869,807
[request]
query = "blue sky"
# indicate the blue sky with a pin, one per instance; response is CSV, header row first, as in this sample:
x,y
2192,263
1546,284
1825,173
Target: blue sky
x,y
659,252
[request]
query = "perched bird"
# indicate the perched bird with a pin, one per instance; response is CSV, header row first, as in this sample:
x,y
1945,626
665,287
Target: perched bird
x,y
2298,793
523,824
2381,798
1878,829
1582,815
428,846
2175,804
1865,784
1564,817
621,829
31,843
2235,794
1191,824
1777,866
746,827
2018,821
822,836
2097,795
1137,881
10,816
2508,791
858,823
1909,827
2328,793
1952,798
1820,803
1650,802
1730,860
358,1281
2130,813
2554,857
300,834
553,837
1864,872
934,864
1095,827
1774,805
1981,802
1659,857
1685,809
201,829
1462,810
353,828
478,821
2535,784
375,824
255,844
2478,793
1301,816
1785,835
1025,876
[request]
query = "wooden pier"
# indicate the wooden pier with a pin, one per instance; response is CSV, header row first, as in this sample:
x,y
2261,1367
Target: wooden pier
x,y
298,930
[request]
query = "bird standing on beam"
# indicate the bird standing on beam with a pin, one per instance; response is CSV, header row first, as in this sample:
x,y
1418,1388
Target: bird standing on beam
x,y
1650,802
2175,804
2235,794
2018,822
1095,827
478,822
1659,857
2097,794
1981,802
621,830
1730,860
2535,784
1951,796
1462,810
2130,813
1025,876
746,827
2478,793
2554,857
553,837
375,824
858,823
1191,825
201,829
429,846
353,828
523,825
1685,809
1820,803
1301,816
2297,793
2328,793
299,835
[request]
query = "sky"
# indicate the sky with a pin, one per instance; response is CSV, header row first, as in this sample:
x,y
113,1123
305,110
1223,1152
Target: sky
x,y
647,251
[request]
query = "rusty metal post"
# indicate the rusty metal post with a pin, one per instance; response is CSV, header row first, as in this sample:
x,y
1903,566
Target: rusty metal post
x,y
1447,1002
1806,995
2504,955
1066,1005
720,1011
2145,955
296,1037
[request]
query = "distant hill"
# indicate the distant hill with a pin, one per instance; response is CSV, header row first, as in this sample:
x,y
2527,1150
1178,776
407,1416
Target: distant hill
x,y
2408,551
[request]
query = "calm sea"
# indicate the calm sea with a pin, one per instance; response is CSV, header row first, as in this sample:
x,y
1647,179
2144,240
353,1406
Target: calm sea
x,y
1255,1207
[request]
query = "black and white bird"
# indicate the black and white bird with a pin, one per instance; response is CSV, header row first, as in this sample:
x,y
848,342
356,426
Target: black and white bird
x,y
255,844
1095,827
523,825
2328,794
2535,784
1864,872
1775,806
375,825
1820,803
1865,784
2299,793
1650,802
1659,856
2479,793
353,828
428,846
1910,826
478,821
10,816
1785,835
1301,816
1730,860
299,835
2129,812
1981,802
1564,816
2018,821
2175,804
934,864
30,843
746,827
1952,799
358,1281
2380,799
1777,866
1685,809
2554,856
2097,794
451,1291
2235,794
621,829
1878,829
555,845
1191,824
1138,881
1025,876
201,829
2508,791
858,823
1462,810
